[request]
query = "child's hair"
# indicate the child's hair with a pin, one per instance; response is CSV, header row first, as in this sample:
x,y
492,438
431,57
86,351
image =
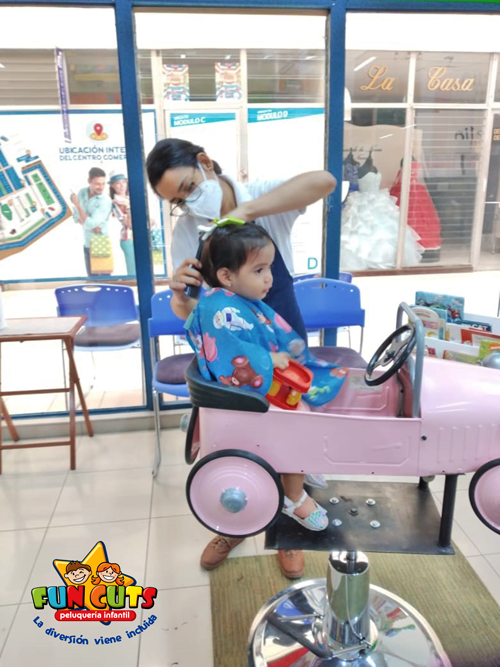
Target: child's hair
x,y
104,566
230,247
76,565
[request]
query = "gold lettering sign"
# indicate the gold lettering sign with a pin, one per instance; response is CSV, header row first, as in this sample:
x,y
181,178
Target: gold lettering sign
x,y
378,80
438,82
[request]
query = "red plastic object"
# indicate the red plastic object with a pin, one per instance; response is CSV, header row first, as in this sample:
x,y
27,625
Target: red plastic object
x,y
289,385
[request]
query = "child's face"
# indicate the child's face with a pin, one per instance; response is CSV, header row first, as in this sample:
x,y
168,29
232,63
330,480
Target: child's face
x,y
108,575
254,279
79,576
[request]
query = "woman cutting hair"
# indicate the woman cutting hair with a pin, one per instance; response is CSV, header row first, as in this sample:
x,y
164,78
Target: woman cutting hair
x,y
199,192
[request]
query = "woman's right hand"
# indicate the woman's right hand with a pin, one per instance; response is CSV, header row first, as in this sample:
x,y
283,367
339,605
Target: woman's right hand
x,y
280,360
187,274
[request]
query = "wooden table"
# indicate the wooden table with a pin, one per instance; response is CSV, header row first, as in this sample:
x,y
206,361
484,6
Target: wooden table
x,y
42,329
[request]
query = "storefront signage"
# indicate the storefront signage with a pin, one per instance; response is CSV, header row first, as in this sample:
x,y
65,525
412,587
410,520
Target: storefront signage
x,y
181,119
438,80
256,115
378,80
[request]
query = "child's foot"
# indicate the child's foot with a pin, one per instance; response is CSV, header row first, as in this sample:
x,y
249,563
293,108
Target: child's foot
x,y
307,512
318,481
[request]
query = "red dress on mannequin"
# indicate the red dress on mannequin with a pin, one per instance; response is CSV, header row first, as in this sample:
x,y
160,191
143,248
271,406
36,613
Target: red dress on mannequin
x,y
422,214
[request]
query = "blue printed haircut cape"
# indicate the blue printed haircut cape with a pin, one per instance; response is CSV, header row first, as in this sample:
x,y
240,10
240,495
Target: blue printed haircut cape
x,y
233,339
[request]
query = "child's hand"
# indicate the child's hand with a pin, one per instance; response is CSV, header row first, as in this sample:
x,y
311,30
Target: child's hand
x,y
281,360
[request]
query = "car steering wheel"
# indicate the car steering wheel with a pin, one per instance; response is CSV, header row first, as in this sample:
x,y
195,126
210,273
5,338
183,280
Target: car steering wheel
x,y
392,353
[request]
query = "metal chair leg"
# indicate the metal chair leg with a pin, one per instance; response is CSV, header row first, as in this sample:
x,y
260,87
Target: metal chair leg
x,y
157,458
361,341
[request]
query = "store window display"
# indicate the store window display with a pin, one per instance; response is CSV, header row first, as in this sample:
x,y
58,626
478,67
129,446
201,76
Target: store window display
x,y
422,215
370,226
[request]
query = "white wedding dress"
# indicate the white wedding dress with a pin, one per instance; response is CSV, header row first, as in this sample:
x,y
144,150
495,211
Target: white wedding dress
x,y
370,229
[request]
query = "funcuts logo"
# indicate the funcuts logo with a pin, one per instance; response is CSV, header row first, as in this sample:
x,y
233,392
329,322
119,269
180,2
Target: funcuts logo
x,y
94,589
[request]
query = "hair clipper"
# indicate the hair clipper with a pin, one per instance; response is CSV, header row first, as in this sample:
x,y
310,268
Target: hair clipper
x,y
192,291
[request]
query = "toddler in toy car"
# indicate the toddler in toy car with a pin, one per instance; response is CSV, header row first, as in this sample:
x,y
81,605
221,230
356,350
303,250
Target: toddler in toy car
x,y
239,340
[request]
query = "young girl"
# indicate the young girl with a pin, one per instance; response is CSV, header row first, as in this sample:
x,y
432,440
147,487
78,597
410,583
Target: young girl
x,y
239,340
108,573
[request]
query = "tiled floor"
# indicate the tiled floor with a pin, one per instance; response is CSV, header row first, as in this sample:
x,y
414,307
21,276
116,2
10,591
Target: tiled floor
x,y
47,512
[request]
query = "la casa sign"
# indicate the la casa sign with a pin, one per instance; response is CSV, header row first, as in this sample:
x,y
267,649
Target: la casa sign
x,y
438,79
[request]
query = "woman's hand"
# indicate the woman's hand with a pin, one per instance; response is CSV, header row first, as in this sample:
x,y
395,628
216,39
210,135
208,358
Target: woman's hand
x,y
280,360
187,274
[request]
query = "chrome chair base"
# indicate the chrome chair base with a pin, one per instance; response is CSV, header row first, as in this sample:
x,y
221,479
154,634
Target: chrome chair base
x,y
287,631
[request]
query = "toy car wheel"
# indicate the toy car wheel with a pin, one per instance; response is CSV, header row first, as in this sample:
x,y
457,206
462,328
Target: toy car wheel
x,y
484,494
192,438
234,493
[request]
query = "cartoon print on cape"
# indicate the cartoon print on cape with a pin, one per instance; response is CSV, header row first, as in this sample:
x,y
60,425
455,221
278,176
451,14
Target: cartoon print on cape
x,y
233,339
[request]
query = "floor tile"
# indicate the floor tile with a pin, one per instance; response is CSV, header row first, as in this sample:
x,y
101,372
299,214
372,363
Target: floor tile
x,y
27,642
175,546
485,540
18,549
487,575
6,618
125,541
463,481
172,447
463,541
36,460
94,497
28,502
169,492
116,451
182,633
494,561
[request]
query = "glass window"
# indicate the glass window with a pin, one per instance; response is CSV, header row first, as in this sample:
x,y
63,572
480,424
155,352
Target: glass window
x,y
377,76
490,249
28,77
201,75
64,208
374,143
286,76
457,78
442,199
93,77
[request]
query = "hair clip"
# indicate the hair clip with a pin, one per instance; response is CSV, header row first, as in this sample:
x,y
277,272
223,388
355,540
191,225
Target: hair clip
x,y
207,231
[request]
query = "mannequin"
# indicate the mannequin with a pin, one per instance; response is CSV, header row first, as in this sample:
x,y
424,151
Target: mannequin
x,y
367,167
422,215
351,171
370,226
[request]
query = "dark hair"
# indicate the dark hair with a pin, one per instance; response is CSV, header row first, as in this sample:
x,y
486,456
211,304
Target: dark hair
x,y
96,172
172,153
230,247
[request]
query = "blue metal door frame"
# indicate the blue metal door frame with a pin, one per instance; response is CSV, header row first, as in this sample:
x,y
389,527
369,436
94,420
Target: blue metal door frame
x,y
334,116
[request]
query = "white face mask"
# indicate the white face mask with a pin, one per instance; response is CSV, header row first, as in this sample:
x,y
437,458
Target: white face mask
x,y
207,198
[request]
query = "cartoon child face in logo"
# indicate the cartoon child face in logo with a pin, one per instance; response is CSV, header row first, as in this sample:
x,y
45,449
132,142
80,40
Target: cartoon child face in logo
x,y
77,573
108,573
